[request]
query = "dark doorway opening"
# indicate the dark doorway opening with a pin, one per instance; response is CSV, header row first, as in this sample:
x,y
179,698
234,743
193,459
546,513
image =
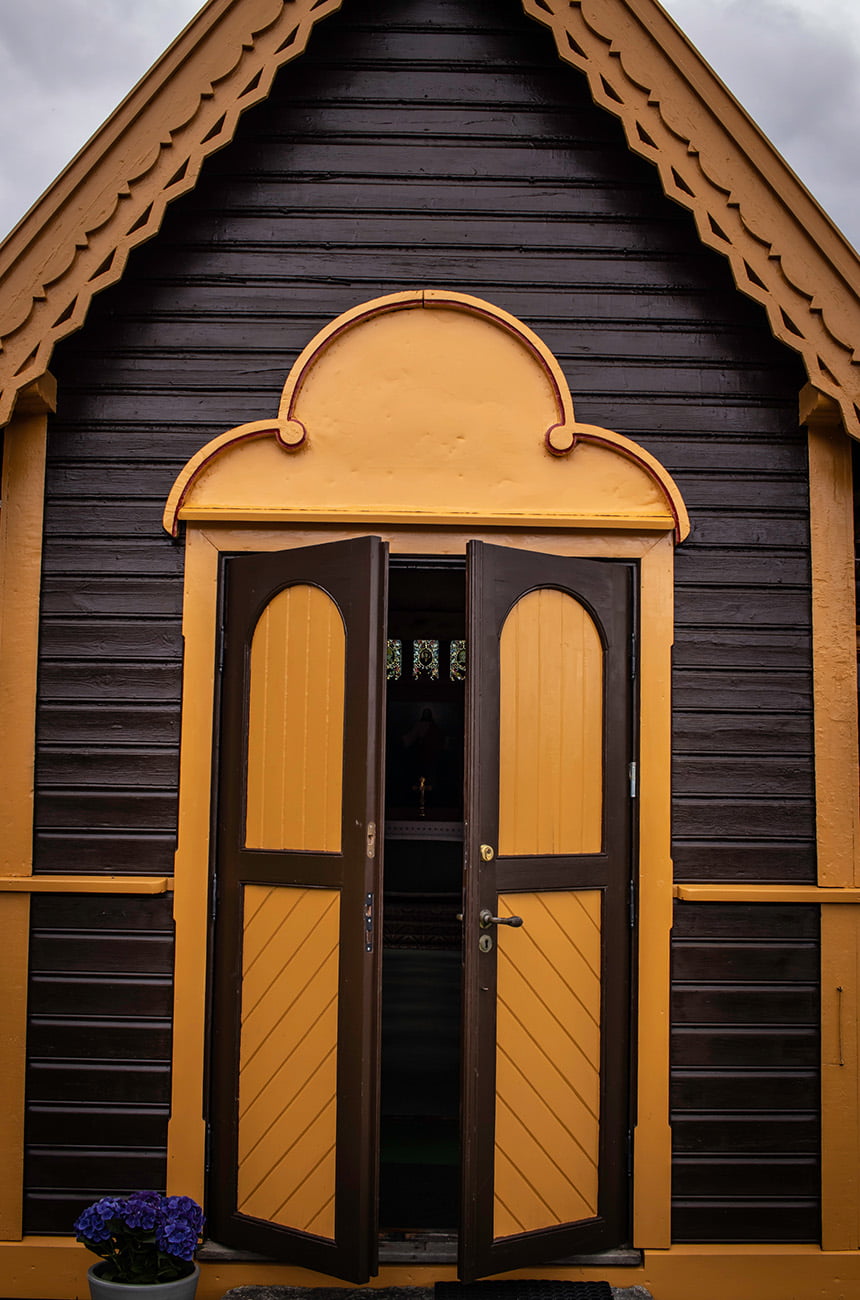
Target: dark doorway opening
x,y
422,935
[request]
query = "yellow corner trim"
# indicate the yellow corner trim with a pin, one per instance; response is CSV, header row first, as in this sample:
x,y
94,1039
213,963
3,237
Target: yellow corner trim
x,y
86,884
764,894
834,643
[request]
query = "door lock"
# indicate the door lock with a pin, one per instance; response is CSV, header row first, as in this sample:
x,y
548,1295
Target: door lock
x,y
487,852
486,919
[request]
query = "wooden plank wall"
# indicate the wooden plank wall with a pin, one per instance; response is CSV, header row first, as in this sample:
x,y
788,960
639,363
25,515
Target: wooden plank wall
x,y
98,1085
745,1087
426,142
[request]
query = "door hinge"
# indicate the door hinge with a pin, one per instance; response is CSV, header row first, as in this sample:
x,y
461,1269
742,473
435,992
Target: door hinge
x,y
633,655
633,779
631,905
368,923
630,1153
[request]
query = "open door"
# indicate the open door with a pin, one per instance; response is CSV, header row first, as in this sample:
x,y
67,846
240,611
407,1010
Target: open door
x,y
295,1065
296,973
546,931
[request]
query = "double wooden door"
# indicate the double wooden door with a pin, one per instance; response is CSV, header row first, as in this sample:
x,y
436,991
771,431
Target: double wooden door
x,y
294,1119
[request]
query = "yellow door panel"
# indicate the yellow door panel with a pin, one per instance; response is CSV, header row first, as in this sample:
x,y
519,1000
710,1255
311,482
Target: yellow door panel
x,y
550,727
295,727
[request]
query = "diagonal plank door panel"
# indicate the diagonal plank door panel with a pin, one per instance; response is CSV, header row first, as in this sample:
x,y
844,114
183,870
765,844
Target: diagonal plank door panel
x,y
548,1061
288,1057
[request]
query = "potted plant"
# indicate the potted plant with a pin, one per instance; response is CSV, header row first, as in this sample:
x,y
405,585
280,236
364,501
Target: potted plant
x,y
147,1243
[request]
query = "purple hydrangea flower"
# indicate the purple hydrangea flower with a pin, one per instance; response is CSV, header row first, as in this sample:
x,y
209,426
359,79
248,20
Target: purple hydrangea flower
x,y
95,1222
142,1238
141,1210
180,1227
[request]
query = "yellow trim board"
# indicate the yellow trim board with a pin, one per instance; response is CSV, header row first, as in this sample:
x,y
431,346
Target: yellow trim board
x,y
14,968
447,519
840,1072
186,1130
86,884
21,516
54,1268
764,894
652,1136
834,641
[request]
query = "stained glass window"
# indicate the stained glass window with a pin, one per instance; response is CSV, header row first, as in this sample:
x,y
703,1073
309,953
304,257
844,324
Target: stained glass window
x,y
394,661
425,660
457,661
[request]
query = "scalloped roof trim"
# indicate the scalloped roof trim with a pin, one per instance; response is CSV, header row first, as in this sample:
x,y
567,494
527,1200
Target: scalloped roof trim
x,y
113,195
712,159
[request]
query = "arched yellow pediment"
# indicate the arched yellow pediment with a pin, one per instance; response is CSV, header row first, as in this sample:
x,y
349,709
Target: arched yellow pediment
x,y
427,406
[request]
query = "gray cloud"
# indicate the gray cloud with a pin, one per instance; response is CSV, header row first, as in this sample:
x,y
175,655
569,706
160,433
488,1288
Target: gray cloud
x,y
64,67
798,75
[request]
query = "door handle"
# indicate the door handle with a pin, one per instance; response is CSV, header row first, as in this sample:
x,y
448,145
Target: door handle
x,y
486,919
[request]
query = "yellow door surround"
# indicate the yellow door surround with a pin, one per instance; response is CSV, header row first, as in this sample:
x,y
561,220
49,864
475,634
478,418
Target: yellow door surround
x,y
429,418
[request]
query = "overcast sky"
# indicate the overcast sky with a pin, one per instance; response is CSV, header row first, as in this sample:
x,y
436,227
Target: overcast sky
x,y
794,64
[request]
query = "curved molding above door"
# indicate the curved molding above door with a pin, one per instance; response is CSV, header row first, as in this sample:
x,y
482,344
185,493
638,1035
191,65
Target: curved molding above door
x,y
434,407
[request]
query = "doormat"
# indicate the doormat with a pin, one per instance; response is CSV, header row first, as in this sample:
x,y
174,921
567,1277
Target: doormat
x,y
523,1289
328,1293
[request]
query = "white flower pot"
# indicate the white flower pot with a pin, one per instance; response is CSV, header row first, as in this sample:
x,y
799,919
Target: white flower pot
x,y
183,1288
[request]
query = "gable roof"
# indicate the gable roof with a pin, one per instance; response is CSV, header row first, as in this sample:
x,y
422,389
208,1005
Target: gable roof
x,y
747,203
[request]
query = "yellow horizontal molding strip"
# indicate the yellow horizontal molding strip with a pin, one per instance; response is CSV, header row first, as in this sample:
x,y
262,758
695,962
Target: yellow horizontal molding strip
x,y
229,514
86,884
764,894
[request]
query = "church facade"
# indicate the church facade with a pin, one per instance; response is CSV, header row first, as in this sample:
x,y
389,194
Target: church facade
x,y
428,665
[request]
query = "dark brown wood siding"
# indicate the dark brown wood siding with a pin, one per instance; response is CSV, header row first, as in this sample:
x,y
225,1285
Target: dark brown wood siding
x,y
98,1080
440,143
745,1086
